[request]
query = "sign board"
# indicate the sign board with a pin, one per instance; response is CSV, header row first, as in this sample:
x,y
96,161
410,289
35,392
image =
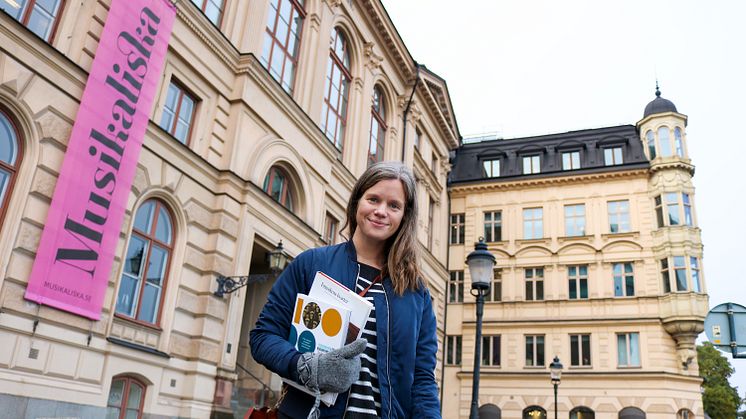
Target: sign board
x,y
725,327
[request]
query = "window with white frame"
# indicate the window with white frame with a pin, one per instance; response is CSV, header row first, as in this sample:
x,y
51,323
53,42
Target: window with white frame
x,y
680,273
534,350
673,208
330,233
571,160
665,142
613,156
577,276
618,216
491,168
453,350
457,228
694,267
533,223
575,220
665,276
580,350
496,286
377,127
492,226
531,164
624,279
677,141
491,351
628,349
534,283
650,139
456,287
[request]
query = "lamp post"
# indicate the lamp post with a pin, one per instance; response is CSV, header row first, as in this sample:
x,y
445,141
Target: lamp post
x,y
555,371
481,264
276,259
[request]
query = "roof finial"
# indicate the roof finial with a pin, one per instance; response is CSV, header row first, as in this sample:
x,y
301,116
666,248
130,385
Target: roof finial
x,y
657,90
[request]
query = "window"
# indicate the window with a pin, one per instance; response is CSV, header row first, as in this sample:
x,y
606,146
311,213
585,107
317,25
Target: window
x,y
534,283
453,350
575,220
624,280
577,277
496,288
457,228
678,143
282,40
491,168
582,412
628,349
456,287
534,412
684,414
330,232
694,265
434,164
430,225
277,185
491,351
213,9
417,138
492,226
334,108
146,265
39,16
534,350
613,156
664,141
126,398
650,138
618,216
178,112
679,269
665,276
10,159
571,160
631,413
580,350
531,165
673,208
377,127
533,224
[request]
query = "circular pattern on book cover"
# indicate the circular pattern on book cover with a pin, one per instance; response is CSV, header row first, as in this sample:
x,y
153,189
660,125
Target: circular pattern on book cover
x,y
331,322
293,338
306,341
311,315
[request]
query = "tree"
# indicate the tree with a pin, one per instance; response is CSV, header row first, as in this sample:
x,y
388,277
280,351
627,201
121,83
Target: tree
x,y
720,399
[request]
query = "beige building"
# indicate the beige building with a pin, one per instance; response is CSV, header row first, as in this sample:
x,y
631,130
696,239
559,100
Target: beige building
x,y
265,114
599,262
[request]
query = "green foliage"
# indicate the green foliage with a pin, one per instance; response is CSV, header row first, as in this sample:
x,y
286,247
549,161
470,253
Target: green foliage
x,y
720,399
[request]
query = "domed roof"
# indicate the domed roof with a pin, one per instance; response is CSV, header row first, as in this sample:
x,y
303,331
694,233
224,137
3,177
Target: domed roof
x,y
658,105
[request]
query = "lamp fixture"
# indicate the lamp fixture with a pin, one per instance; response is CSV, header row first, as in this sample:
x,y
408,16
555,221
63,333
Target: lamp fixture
x,y
277,260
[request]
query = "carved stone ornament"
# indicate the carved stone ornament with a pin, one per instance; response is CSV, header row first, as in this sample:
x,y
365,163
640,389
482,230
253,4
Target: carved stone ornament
x,y
372,60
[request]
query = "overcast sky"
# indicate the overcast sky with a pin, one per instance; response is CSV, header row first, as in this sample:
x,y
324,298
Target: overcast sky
x,y
534,67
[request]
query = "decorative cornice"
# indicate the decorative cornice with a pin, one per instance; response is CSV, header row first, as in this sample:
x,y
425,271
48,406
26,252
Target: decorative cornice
x,y
333,4
198,24
677,163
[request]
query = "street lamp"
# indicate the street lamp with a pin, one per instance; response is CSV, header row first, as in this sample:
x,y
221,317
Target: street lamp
x,y
276,259
555,371
481,264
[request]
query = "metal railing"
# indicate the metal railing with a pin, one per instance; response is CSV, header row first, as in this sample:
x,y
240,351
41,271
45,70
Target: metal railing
x,y
265,388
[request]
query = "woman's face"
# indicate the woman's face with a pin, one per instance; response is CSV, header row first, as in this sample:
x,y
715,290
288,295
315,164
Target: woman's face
x,y
380,211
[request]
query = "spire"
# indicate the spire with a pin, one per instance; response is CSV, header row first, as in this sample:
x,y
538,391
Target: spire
x,y
657,90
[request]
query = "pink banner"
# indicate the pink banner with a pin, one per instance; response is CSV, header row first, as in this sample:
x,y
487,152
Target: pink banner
x,y
76,252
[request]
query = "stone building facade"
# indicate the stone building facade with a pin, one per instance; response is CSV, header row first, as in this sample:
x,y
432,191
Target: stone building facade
x,y
599,262
265,114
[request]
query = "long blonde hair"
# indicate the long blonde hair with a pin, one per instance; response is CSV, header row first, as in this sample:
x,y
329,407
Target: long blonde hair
x,y
400,250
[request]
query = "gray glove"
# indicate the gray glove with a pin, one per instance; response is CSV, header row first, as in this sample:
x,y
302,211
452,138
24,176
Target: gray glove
x,y
334,371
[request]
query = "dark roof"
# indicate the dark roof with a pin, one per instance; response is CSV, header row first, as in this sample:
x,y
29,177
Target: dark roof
x,y
468,160
658,105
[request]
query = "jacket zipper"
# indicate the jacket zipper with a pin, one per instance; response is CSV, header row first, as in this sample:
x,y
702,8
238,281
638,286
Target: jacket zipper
x,y
347,403
388,347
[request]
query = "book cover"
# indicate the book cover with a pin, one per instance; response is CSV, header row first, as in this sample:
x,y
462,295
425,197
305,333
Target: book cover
x,y
327,289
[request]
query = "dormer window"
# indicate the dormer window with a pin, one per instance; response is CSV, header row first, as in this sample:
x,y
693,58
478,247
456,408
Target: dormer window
x,y
491,168
613,156
571,160
531,164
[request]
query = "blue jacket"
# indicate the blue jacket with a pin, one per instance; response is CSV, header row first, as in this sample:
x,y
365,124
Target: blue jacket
x,y
405,327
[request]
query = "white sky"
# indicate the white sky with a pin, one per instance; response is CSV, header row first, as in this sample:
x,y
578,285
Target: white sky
x,y
528,67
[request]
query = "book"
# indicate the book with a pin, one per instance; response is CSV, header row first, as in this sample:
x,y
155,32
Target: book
x,y
318,326
327,289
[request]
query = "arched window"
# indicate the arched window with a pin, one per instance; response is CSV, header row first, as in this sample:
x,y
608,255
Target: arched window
x,y
213,9
334,109
678,142
651,144
631,413
277,184
684,414
146,264
282,40
582,412
40,16
10,159
377,127
126,398
534,412
489,411
665,142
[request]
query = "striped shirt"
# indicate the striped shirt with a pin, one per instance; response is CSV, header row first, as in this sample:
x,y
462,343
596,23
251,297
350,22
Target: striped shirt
x,y
365,397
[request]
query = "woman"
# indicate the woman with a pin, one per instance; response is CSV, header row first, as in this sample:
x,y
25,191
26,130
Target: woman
x,y
394,376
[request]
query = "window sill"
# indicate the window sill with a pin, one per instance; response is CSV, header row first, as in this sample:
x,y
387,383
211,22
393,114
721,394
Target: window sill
x,y
584,238
537,367
621,235
629,367
544,241
137,347
138,322
581,367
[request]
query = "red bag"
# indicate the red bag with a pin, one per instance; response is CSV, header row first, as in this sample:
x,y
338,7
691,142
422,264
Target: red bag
x,y
261,413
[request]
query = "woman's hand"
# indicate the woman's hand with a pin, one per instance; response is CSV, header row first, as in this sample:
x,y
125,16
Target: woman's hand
x,y
334,371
